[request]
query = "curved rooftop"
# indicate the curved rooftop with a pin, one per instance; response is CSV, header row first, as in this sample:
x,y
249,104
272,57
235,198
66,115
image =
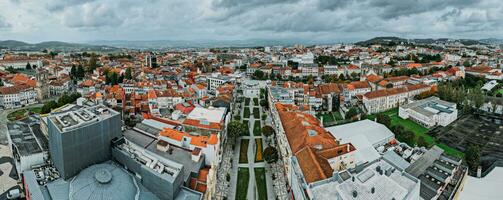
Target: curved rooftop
x,y
103,181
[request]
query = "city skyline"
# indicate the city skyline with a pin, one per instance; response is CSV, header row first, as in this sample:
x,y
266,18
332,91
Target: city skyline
x,y
314,20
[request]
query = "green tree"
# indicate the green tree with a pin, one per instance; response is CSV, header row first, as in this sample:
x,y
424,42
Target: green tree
x,y
270,154
28,66
384,119
408,137
422,142
1,83
467,63
341,77
73,72
48,106
267,131
472,157
352,112
258,74
11,70
80,72
93,62
129,73
235,129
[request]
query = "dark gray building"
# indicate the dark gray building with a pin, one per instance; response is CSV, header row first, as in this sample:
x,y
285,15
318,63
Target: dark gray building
x,y
80,138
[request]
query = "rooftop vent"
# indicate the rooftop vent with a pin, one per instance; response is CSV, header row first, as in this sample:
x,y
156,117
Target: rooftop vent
x,y
355,194
372,190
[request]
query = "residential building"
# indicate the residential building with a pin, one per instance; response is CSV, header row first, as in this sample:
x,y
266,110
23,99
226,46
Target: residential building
x,y
17,96
385,99
309,152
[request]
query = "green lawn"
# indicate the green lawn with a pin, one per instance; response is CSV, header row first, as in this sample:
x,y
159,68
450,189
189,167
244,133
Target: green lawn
x,y
247,124
247,101
243,151
256,113
257,128
242,185
35,110
246,111
261,185
16,115
418,130
255,101
330,117
500,91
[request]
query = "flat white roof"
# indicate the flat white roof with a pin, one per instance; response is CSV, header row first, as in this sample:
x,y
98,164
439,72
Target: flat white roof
x,y
374,132
486,188
209,114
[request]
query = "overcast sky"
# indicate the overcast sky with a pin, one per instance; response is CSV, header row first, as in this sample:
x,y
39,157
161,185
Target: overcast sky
x,y
324,20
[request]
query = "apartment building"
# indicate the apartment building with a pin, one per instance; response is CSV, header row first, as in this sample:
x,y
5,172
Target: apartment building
x,y
309,152
385,99
17,96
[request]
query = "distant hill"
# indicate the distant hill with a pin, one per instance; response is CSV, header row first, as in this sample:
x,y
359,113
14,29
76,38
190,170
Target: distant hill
x,y
492,41
382,41
52,45
397,40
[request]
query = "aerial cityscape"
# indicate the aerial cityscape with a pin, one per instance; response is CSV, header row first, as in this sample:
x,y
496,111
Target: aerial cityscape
x,y
251,100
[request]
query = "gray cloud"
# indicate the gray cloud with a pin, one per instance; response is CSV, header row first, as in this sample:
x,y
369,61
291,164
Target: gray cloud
x,y
241,19
396,8
58,5
4,24
92,16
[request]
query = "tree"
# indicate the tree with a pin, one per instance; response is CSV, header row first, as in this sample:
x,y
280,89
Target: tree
x,y
352,112
28,66
341,77
130,121
11,70
73,72
258,74
93,62
467,63
80,72
235,129
111,78
129,73
270,154
267,131
422,142
408,137
472,157
1,83
48,106
384,119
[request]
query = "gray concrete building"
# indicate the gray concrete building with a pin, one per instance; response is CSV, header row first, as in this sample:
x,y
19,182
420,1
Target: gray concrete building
x,y
80,138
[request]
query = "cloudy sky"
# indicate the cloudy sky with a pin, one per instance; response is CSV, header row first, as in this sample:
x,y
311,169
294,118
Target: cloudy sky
x,y
323,20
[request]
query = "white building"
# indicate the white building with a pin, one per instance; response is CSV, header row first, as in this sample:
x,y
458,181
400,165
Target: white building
x,y
430,112
17,96
385,99
366,136
380,180
216,80
18,64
